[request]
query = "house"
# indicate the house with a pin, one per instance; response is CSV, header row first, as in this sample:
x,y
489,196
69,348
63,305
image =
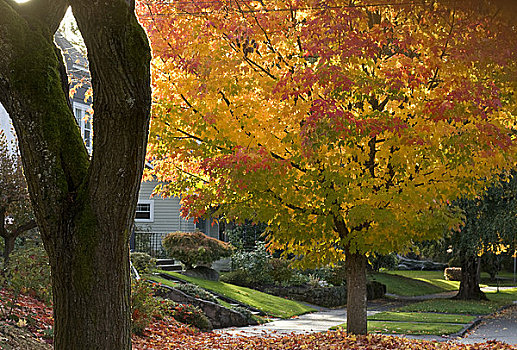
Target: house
x,y
155,216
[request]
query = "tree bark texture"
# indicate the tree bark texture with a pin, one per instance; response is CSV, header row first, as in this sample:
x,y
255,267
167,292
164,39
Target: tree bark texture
x,y
84,206
469,285
356,302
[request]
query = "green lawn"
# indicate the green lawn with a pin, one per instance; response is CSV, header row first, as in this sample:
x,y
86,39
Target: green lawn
x,y
174,284
410,328
413,284
432,281
496,301
421,317
269,304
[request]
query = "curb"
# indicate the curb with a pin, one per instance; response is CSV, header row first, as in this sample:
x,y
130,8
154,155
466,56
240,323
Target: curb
x,y
477,321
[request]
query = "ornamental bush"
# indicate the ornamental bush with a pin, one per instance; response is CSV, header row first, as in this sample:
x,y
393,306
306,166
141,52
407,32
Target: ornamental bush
x,y
195,248
143,262
452,274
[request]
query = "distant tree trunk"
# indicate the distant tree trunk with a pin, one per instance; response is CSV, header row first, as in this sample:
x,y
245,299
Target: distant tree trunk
x,y
356,302
8,249
469,285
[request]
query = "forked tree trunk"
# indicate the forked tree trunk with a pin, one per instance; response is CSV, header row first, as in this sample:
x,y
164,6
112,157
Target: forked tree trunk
x,y
84,206
469,285
356,302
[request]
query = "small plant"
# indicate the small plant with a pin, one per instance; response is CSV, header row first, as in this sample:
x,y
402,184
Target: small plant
x,y
195,248
143,306
316,282
196,292
187,314
143,262
452,274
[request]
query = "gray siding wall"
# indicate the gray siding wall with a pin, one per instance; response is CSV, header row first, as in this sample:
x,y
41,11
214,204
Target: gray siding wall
x,y
166,212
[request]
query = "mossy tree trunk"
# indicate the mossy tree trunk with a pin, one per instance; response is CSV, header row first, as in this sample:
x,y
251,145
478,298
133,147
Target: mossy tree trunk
x,y
84,206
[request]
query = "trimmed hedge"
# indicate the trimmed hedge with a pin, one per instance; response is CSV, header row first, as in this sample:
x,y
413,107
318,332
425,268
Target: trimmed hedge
x,y
452,274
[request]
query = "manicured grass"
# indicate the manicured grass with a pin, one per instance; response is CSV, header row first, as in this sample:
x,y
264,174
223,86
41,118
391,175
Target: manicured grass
x,y
496,301
410,328
174,284
434,278
410,286
421,317
269,304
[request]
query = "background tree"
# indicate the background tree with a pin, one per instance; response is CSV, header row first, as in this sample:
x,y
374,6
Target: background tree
x,y
15,211
490,228
84,206
346,127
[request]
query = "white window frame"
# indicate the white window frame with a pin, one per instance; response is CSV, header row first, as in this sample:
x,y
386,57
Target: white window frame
x,y
83,123
151,210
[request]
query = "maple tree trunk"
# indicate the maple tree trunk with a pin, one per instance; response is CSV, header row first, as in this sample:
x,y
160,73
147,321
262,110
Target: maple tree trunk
x,y
356,302
469,285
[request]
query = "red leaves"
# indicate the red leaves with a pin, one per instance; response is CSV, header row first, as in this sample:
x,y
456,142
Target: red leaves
x,y
163,336
37,315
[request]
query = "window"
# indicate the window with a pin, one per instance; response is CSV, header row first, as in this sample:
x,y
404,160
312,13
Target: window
x,y
84,120
144,211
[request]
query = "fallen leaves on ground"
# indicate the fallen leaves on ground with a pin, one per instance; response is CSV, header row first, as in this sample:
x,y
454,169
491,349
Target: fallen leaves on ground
x,y
186,339
163,334
26,311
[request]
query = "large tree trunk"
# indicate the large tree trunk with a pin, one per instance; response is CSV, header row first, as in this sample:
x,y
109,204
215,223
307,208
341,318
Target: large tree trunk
x,y
469,285
356,302
84,207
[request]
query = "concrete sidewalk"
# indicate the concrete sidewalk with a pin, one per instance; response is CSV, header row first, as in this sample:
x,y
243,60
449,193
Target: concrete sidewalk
x,y
319,321
501,326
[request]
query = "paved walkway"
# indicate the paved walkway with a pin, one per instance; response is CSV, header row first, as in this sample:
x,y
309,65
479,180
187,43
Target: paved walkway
x,y
501,326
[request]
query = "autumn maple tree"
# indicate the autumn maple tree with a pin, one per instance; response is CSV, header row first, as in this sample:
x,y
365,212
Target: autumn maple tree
x,y
346,126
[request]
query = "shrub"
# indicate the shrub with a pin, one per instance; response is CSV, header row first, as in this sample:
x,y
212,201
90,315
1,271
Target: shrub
x,y
195,248
388,261
29,272
238,277
255,263
280,270
189,314
143,305
337,275
143,262
297,279
452,274
196,292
